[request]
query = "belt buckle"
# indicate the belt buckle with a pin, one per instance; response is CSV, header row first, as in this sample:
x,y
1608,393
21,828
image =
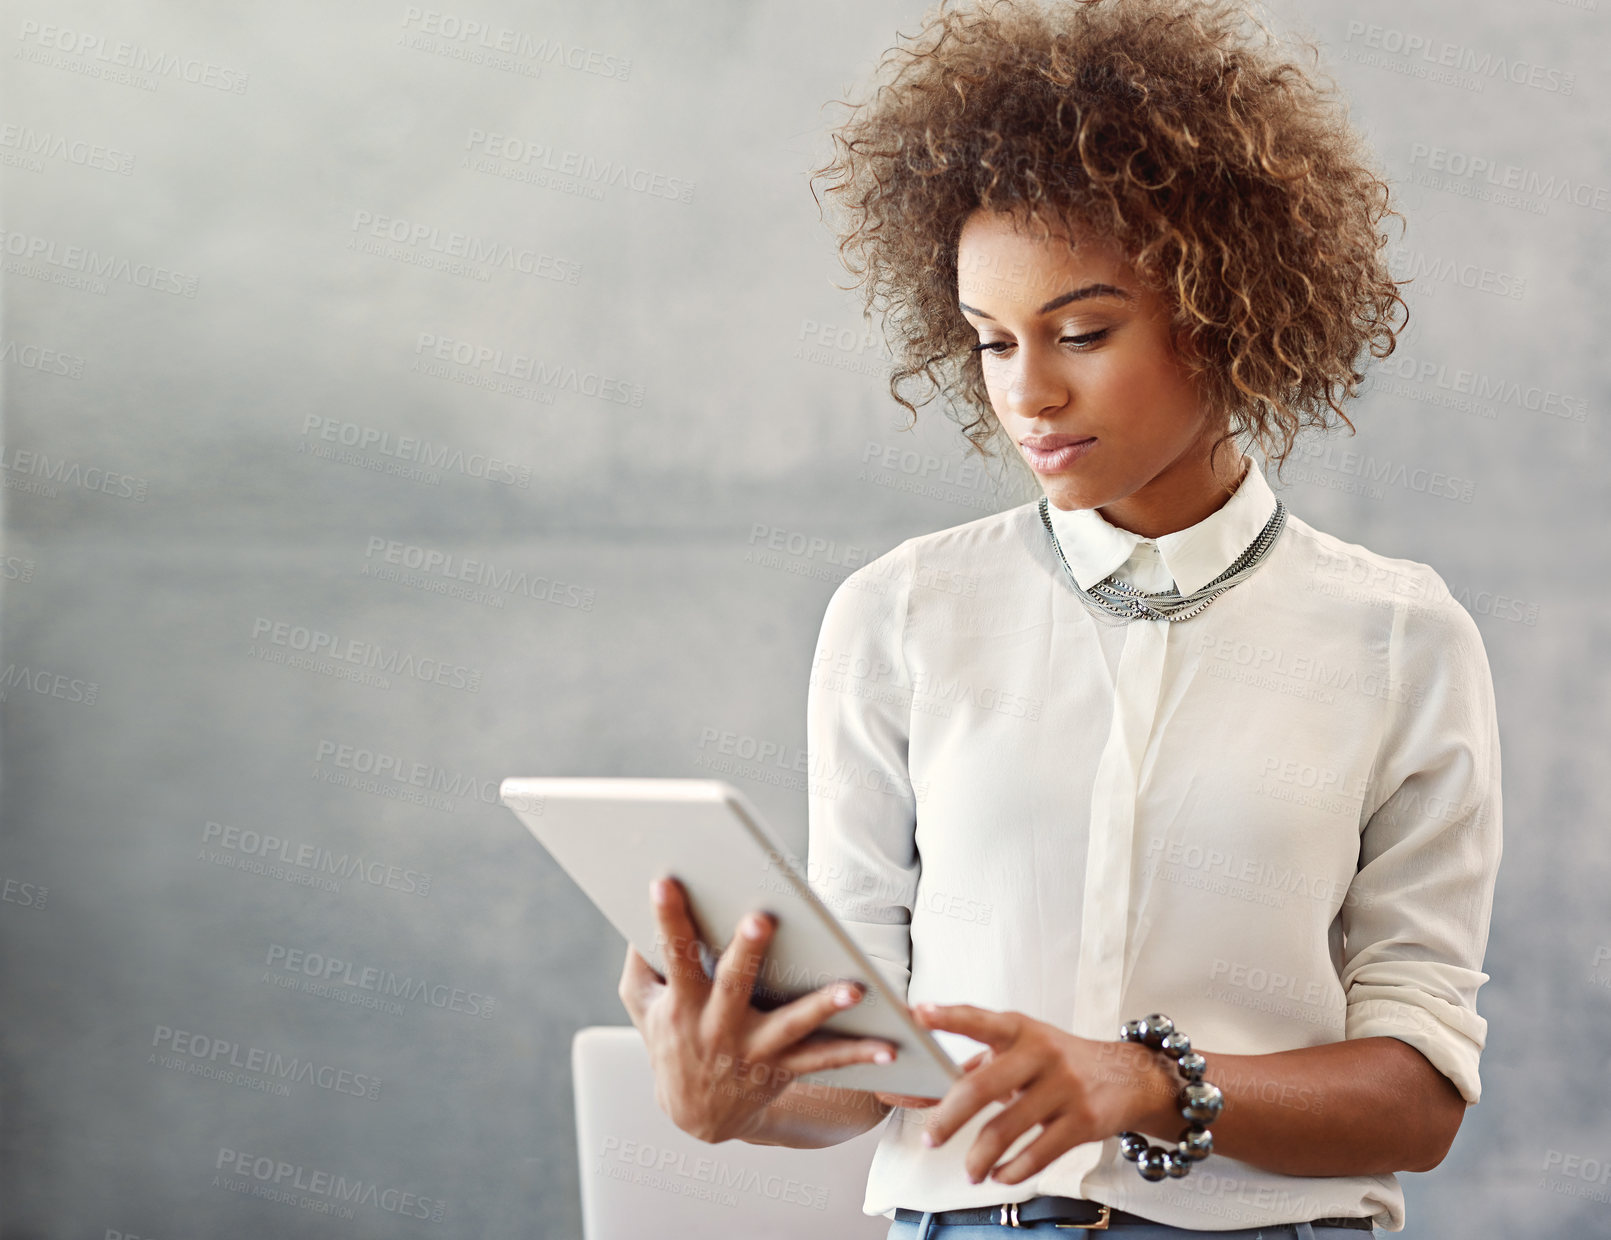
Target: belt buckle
x,y
1101,1223
1009,1218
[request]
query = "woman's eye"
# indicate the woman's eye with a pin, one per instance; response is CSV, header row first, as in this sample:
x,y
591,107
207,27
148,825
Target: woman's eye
x,y
996,346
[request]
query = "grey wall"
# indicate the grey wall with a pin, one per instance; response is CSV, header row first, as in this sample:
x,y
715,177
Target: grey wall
x,y
180,503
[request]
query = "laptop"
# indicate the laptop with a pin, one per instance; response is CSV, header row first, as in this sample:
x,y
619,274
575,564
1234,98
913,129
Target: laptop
x,y
641,1175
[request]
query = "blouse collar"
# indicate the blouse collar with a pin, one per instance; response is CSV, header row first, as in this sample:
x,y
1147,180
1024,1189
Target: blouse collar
x,y
1194,556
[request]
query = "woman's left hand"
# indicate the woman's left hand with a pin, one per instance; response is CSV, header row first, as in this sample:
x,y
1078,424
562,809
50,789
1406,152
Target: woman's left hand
x,y
1076,1089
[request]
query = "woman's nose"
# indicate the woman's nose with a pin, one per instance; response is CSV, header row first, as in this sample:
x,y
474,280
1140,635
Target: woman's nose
x,y
1034,384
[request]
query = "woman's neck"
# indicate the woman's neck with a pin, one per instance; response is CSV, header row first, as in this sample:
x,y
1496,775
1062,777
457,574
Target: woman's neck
x,y
1176,499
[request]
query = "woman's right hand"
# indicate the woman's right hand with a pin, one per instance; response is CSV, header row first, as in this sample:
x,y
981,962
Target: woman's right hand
x,y
718,1062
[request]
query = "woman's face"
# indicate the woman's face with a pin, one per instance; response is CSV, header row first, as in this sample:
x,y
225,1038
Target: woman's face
x,y
1082,377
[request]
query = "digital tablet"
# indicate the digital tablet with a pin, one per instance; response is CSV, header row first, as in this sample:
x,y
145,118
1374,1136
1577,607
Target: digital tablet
x,y
615,836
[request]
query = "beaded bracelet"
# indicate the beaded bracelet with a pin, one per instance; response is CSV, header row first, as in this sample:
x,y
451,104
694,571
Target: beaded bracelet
x,y
1199,1102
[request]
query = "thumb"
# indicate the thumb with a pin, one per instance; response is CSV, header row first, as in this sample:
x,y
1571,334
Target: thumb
x,y
910,1101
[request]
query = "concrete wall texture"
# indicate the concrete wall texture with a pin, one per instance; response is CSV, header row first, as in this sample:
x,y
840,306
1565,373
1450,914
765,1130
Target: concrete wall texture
x,y
211,452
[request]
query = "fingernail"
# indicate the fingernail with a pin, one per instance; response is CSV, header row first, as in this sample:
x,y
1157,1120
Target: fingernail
x,y
884,1057
928,1140
753,928
660,890
845,996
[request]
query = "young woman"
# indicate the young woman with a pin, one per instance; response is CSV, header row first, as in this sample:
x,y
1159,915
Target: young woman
x,y
1153,745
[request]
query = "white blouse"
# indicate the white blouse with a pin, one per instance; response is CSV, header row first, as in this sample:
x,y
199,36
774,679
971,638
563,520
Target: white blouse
x,y
1278,821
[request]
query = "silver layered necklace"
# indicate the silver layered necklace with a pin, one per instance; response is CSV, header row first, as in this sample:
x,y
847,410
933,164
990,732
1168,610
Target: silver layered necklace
x,y
1120,600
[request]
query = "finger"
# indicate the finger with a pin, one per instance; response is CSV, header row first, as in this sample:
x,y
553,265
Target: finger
x,y
995,1080
906,1100
981,1058
637,968
1031,1107
736,970
784,1026
818,1054
981,1024
1058,1137
638,983
679,943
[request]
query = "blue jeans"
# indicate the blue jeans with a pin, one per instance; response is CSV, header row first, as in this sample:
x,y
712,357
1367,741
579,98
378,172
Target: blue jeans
x,y
927,1230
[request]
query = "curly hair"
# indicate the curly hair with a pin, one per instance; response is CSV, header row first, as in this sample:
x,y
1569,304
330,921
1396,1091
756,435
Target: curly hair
x,y
1231,180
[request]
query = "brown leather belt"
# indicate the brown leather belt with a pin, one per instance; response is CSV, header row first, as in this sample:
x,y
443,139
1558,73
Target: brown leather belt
x,y
1071,1212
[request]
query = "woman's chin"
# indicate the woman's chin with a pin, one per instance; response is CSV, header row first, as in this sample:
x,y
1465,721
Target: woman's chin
x,y
1061,494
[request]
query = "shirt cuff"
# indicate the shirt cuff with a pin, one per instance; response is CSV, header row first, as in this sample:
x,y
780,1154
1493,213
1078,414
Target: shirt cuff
x,y
1451,1037
889,945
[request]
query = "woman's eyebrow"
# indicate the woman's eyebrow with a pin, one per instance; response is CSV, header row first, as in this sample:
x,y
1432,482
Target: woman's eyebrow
x,y
1089,290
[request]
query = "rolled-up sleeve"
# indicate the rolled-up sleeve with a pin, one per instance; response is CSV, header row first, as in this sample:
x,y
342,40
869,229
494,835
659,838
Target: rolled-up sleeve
x,y
1415,918
862,859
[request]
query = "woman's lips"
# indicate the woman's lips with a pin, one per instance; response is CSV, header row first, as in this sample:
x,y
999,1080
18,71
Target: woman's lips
x,y
1050,454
